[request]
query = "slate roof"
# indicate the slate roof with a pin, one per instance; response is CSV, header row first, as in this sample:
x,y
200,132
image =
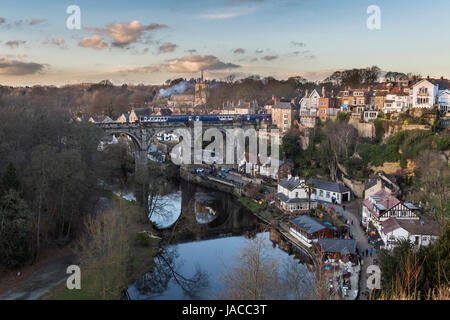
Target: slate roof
x,y
142,112
413,226
329,186
291,183
425,227
308,224
383,201
342,246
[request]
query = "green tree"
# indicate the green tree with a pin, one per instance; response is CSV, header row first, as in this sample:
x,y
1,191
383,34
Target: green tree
x,y
10,180
16,236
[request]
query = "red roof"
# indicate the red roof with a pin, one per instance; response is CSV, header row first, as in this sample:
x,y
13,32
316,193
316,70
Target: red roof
x,y
383,199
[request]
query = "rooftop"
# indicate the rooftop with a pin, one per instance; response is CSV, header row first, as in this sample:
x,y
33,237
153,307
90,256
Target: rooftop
x,y
308,224
330,186
342,246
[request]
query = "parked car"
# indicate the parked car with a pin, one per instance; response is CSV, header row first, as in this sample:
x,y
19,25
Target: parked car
x,y
227,170
199,170
221,175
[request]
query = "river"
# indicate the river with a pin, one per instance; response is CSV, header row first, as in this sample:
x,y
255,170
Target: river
x,y
204,233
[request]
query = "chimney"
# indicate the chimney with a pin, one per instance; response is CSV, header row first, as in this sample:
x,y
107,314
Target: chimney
x,y
306,93
323,92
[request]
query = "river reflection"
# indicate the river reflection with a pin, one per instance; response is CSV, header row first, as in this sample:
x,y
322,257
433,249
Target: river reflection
x,y
203,232
194,270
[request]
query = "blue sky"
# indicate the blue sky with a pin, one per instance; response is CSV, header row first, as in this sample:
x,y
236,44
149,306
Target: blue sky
x,y
277,38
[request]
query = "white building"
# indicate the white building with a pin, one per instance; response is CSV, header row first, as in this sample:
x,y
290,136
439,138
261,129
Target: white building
x,y
419,232
444,100
292,196
424,94
330,191
370,115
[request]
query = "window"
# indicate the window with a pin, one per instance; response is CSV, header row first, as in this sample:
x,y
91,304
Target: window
x,y
328,194
286,116
321,193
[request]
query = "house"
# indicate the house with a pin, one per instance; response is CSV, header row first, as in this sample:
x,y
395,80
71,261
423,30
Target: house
x,y
419,232
384,205
285,170
94,119
444,100
107,120
284,113
397,100
328,106
309,106
379,99
355,97
307,230
268,105
124,117
292,196
338,249
370,115
136,114
381,181
330,191
424,94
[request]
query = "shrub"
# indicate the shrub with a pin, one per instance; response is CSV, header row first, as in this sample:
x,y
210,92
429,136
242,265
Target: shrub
x,y
143,238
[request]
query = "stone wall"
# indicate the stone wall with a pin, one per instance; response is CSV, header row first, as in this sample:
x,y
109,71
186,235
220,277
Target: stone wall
x,y
365,130
357,187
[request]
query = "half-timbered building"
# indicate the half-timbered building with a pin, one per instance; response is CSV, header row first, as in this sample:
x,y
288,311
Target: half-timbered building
x,y
384,205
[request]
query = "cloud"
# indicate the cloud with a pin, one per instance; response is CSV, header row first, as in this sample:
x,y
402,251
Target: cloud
x,y
14,43
239,51
60,42
2,20
94,42
125,34
228,13
298,44
18,68
36,21
167,47
259,51
269,58
196,63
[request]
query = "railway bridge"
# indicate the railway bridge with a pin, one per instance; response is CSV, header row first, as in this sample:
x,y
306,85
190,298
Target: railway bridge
x,y
143,133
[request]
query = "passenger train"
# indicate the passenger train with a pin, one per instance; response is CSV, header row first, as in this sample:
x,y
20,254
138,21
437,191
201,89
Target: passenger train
x,y
208,117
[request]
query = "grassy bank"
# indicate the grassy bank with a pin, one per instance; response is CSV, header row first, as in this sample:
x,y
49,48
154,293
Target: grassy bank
x,y
111,254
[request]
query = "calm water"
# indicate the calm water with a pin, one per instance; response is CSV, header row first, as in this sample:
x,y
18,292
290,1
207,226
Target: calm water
x,y
204,232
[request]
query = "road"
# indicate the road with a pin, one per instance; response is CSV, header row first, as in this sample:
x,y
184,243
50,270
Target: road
x,y
41,281
351,214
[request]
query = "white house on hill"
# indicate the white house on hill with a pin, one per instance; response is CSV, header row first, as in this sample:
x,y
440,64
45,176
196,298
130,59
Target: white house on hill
x,y
419,232
424,94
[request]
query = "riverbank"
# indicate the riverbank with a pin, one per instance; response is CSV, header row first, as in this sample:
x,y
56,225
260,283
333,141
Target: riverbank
x,y
140,254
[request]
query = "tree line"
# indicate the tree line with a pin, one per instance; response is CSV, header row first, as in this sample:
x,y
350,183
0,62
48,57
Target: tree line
x,y
50,171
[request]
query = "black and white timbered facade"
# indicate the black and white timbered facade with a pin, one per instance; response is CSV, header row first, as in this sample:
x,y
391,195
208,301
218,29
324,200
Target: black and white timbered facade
x,y
384,205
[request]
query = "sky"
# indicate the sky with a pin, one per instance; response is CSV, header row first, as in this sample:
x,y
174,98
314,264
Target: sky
x,y
137,41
